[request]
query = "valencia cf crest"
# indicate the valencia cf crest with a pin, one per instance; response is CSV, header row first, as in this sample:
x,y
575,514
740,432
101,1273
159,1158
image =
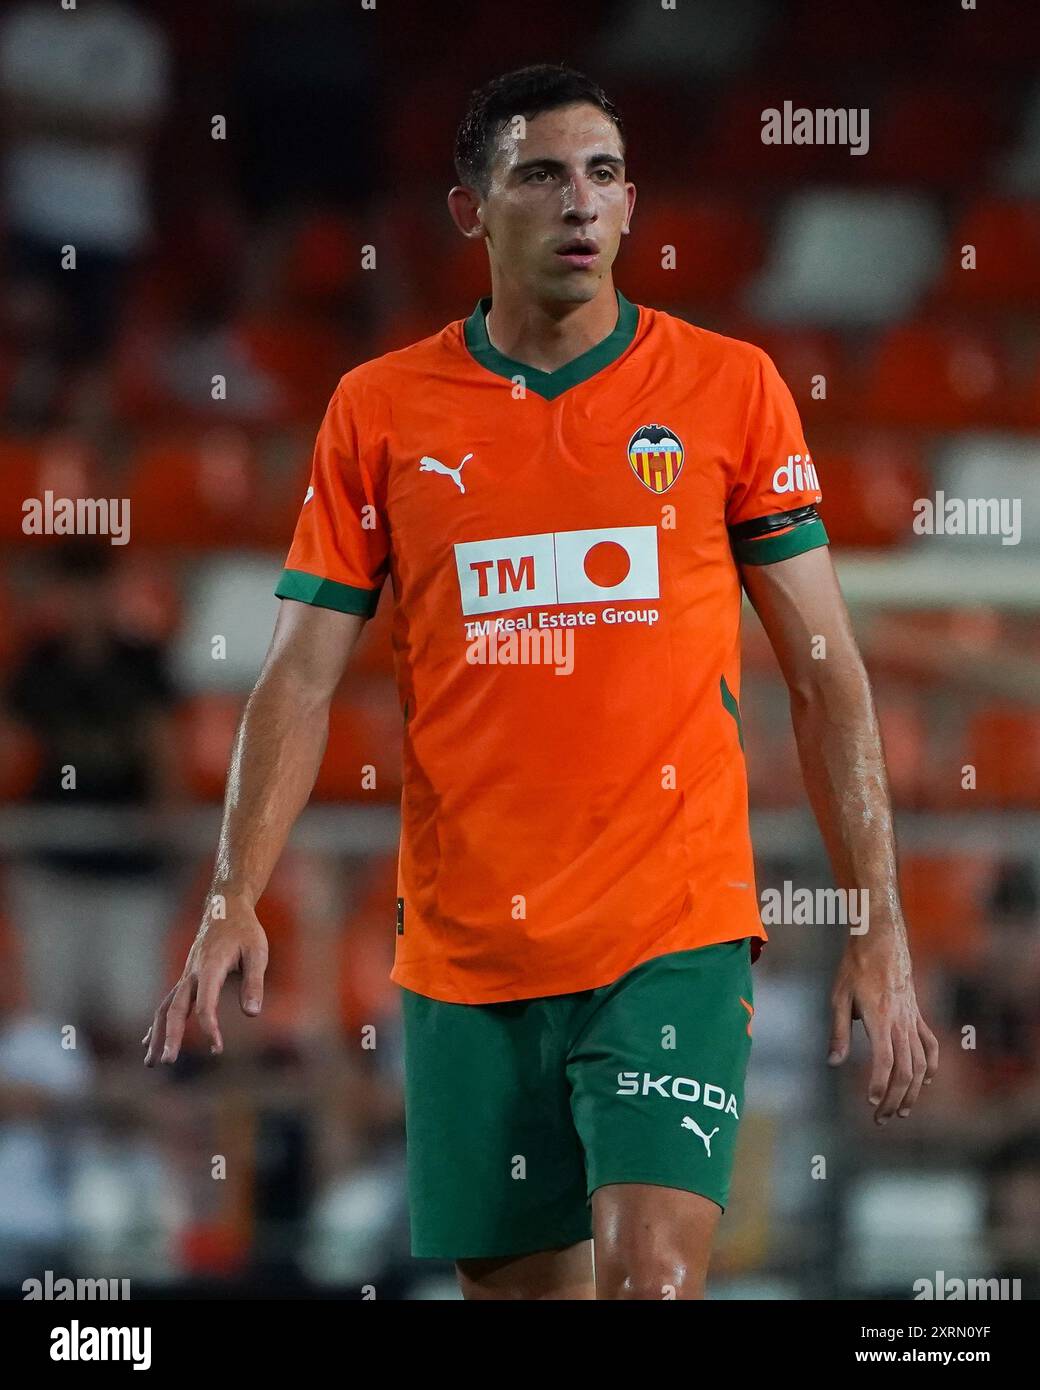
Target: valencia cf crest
x,y
656,455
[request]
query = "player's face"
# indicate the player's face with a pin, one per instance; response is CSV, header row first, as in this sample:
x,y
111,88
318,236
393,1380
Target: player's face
x,y
558,203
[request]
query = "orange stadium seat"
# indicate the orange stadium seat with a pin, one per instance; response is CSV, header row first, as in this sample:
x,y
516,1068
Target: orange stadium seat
x,y
869,487
58,464
1003,744
774,771
147,597
904,732
288,472
7,371
820,32
417,127
364,733
991,35
556,26
303,353
936,376
324,256
802,355
431,273
717,245
944,897
420,321
662,118
732,150
366,948
1025,406
932,133
195,489
462,276
212,1248
12,979
1006,237
8,623
206,726
19,760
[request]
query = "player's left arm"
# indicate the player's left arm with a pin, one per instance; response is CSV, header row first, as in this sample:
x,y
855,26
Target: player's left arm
x,y
799,602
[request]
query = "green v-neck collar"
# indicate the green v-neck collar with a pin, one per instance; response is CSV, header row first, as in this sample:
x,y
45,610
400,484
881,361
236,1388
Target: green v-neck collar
x,y
551,384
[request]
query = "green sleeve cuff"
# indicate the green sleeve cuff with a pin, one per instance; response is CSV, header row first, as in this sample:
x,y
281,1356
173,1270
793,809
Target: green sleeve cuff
x,y
766,550
327,593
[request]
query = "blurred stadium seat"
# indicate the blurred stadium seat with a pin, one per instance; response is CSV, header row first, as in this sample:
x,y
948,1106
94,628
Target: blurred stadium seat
x,y
1020,170
937,376
1006,275
932,134
873,479
61,464
717,245
1003,744
849,257
945,897
194,490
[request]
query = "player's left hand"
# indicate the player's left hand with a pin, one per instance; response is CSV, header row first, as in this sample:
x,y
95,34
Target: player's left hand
x,y
875,984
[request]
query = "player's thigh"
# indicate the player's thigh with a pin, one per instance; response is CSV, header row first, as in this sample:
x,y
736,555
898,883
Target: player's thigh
x,y
657,1078
652,1242
546,1274
495,1167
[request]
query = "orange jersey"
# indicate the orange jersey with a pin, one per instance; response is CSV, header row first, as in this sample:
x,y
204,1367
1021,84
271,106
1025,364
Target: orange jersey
x,y
564,550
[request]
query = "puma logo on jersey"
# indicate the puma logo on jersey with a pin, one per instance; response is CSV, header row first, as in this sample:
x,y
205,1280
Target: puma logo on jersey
x,y
429,465
687,1123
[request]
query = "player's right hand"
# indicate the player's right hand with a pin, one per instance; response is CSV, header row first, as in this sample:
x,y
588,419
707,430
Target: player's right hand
x,y
222,947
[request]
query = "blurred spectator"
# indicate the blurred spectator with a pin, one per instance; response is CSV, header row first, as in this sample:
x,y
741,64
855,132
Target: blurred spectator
x,y
39,1079
1000,996
81,91
304,84
1014,1211
92,919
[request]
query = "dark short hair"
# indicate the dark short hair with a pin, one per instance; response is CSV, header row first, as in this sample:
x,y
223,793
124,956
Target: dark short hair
x,y
526,92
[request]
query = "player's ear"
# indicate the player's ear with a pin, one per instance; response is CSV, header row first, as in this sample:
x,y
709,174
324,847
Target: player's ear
x,y
630,194
464,207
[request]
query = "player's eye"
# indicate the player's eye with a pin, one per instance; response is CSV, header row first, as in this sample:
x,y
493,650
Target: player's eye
x,y
538,174
605,169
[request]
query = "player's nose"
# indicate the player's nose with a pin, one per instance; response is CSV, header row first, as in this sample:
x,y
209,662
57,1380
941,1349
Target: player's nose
x,y
580,201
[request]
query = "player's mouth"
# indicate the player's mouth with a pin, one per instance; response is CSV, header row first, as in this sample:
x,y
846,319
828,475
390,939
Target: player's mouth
x,y
580,253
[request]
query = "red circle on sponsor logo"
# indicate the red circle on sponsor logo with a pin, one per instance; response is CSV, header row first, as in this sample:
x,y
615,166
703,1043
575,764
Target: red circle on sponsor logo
x,y
607,564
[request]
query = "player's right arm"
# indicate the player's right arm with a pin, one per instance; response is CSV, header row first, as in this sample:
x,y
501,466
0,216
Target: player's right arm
x,y
274,763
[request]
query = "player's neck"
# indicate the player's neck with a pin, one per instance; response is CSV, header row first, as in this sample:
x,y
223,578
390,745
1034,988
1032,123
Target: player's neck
x,y
542,336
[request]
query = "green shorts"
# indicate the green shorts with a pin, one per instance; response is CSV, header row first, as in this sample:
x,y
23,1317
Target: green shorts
x,y
516,1113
